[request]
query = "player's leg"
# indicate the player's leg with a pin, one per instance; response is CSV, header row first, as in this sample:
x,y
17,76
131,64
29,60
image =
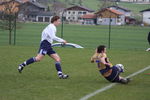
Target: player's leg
x,y
115,76
38,58
124,80
119,69
57,59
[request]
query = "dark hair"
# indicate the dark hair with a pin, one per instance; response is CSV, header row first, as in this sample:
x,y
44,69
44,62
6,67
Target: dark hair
x,y
100,48
55,18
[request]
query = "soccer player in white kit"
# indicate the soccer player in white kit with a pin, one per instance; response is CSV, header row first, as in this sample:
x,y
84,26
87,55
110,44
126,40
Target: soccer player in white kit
x,y
47,38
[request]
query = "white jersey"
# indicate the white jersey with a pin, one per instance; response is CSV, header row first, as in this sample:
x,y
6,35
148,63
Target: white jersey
x,y
49,34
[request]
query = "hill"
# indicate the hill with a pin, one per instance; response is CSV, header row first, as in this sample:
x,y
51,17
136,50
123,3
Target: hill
x,y
95,4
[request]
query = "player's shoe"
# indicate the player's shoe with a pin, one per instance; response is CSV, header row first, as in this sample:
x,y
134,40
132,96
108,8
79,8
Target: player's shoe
x,y
20,68
63,76
125,80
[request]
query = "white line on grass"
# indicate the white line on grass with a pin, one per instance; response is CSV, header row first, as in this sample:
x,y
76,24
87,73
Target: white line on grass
x,y
112,84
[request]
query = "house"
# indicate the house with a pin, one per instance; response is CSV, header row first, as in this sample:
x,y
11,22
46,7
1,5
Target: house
x,y
146,16
129,19
89,19
108,16
74,13
42,16
30,11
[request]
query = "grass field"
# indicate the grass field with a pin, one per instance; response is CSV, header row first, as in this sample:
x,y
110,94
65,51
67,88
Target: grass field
x,y
39,81
121,37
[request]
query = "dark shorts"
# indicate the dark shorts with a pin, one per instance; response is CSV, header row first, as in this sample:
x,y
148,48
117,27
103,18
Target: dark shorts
x,y
45,48
114,77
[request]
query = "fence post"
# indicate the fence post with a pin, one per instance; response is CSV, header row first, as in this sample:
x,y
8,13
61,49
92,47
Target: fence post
x,y
109,32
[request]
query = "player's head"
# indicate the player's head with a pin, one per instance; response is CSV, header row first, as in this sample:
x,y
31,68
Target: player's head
x,y
55,20
101,49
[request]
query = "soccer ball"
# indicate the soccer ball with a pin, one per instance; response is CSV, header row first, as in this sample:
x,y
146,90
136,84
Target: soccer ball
x,y
120,67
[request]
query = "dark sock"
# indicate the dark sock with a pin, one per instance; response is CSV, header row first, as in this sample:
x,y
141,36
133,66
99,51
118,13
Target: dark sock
x,y
58,67
29,61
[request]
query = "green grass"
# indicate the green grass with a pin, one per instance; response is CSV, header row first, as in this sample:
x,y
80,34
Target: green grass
x,y
94,4
121,37
39,81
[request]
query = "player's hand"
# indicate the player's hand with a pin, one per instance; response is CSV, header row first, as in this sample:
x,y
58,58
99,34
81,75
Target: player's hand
x,y
64,42
92,61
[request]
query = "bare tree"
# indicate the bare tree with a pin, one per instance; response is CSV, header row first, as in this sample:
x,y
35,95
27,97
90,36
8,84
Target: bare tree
x,y
57,7
106,3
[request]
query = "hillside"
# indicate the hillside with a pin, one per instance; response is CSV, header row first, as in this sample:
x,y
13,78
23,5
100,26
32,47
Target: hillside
x,y
95,4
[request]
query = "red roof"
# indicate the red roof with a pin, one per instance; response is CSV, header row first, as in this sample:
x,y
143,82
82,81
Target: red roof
x,y
115,11
89,16
111,10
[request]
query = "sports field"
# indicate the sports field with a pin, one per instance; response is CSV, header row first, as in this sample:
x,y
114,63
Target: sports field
x,y
39,81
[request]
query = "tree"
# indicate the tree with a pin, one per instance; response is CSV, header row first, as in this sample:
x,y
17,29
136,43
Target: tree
x,y
105,3
80,2
8,12
57,7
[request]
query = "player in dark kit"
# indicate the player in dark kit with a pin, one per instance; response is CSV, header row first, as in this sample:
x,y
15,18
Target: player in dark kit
x,y
48,35
110,72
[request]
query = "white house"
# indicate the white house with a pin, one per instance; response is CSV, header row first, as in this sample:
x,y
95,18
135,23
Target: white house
x,y
110,16
74,13
146,16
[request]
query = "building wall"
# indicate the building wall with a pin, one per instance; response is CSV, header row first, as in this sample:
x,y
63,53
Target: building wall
x,y
114,21
146,17
73,15
43,18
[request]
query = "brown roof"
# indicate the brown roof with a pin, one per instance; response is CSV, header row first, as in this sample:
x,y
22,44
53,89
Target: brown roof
x,y
111,10
115,11
77,7
89,16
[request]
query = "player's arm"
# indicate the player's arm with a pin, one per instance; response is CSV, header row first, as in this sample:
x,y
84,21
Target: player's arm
x,y
103,61
93,58
55,38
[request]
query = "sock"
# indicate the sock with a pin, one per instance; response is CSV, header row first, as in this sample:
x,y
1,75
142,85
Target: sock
x,y
58,68
29,61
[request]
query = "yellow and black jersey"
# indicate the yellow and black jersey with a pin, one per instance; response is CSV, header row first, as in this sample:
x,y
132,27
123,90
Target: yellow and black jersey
x,y
104,69
96,57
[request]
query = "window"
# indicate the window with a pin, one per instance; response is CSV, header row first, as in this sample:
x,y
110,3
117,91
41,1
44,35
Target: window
x,y
79,12
47,19
84,12
40,19
79,18
68,12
